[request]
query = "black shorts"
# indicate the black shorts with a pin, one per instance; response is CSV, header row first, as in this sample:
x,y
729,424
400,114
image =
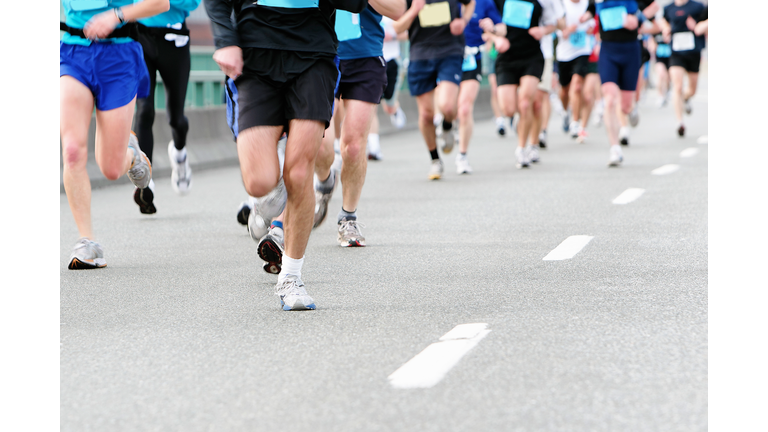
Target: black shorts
x,y
664,61
689,61
511,72
476,73
645,55
363,79
578,66
392,71
279,86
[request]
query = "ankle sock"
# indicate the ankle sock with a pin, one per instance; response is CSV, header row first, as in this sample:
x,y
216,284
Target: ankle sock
x,y
343,214
434,154
290,267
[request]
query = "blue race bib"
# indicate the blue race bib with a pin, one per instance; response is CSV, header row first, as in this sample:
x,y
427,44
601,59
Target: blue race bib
x,y
517,14
663,50
289,4
469,64
578,39
347,25
83,5
613,18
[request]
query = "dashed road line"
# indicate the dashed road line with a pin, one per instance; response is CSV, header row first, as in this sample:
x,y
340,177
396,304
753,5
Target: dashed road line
x,y
704,139
666,169
430,366
690,151
628,196
568,248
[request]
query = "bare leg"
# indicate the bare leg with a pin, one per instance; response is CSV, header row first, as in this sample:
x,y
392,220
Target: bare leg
x,y
447,100
467,95
527,93
494,96
591,83
426,104
611,113
354,136
676,74
326,153
574,95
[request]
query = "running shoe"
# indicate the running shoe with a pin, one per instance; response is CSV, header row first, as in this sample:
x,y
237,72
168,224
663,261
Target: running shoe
x,y
293,296
582,136
374,150
624,135
273,203
598,113
181,173
140,172
616,157
145,198
398,118
533,153
500,129
448,139
681,131
634,117
86,255
688,107
662,101
462,164
243,212
436,170
258,225
271,249
543,139
573,129
323,195
522,158
349,234
437,120
566,121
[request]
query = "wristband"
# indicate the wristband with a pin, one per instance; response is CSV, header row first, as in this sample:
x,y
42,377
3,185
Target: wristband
x,y
119,15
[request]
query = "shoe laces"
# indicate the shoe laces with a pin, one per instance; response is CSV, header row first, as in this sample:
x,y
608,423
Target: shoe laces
x,y
290,285
350,228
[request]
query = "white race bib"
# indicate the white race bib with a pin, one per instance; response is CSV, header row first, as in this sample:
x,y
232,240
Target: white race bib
x,y
683,41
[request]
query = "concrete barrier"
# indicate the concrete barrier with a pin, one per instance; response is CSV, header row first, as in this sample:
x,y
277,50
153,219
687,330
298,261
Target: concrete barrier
x,y
210,143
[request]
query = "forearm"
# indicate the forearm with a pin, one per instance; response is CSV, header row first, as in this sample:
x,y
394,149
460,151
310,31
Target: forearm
x,y
467,10
405,21
224,31
393,9
701,28
651,10
144,9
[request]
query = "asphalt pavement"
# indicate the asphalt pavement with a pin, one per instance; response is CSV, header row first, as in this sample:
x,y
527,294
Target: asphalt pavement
x,y
181,331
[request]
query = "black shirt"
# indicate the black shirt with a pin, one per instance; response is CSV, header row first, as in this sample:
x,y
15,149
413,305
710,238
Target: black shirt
x,y
429,43
521,44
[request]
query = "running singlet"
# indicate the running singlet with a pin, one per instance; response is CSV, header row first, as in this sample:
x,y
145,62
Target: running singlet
x,y
472,32
78,12
178,13
612,13
430,34
577,43
360,35
683,38
520,16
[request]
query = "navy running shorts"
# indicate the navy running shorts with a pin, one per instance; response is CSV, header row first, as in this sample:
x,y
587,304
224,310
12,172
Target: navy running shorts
x,y
619,63
363,79
423,75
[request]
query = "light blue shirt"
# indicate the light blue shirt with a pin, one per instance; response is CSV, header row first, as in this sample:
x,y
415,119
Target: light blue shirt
x,y
78,12
178,12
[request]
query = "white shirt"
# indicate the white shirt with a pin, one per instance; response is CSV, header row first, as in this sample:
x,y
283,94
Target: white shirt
x,y
566,50
391,48
551,11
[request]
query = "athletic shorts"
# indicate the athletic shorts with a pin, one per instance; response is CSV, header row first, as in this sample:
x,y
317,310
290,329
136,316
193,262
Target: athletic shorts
x,y
363,79
619,63
393,79
510,73
476,73
545,83
578,66
268,95
688,61
592,67
645,55
115,73
423,75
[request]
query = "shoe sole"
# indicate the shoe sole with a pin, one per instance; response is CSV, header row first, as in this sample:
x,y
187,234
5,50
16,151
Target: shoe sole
x,y
373,157
435,176
352,243
322,212
77,264
144,198
624,142
615,164
297,308
242,215
270,252
681,132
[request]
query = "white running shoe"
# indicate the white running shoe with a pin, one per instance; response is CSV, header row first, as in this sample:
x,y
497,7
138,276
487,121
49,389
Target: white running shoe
x,y
292,294
398,118
522,158
436,170
501,128
258,225
140,172
598,113
374,149
181,173
86,254
573,129
615,157
634,117
462,164
533,153
688,107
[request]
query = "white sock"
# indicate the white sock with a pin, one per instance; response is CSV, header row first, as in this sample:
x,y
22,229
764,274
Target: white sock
x,y
290,267
336,145
373,140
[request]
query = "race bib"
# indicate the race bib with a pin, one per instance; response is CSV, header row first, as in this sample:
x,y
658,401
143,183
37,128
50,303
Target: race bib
x,y
435,14
517,14
289,4
683,41
578,39
663,50
613,18
347,25
82,5
469,64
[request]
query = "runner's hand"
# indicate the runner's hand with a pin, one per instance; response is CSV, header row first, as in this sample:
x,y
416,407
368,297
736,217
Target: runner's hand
x,y
586,17
568,30
536,32
631,22
230,61
457,26
690,23
418,5
101,25
501,43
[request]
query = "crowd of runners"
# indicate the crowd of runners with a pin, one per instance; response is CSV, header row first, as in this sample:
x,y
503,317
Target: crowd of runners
x,y
305,79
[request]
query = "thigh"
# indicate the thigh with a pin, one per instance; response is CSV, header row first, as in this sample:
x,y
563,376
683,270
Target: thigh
x,y
447,93
507,94
468,92
174,66
113,127
449,70
304,140
422,76
75,110
357,122
257,152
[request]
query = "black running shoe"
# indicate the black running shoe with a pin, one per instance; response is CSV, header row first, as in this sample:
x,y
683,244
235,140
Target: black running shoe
x,y
243,212
144,198
681,131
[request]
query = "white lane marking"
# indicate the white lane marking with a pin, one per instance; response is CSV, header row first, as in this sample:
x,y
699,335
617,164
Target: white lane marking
x,y
704,139
690,151
666,169
628,196
568,248
430,366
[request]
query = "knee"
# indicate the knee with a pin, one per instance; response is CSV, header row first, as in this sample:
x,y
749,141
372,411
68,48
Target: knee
x,y
74,154
297,175
257,186
179,123
426,116
353,148
525,103
465,112
448,110
626,106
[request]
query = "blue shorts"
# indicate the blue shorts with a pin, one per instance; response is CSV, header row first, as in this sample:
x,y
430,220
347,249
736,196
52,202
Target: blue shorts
x,y
423,75
619,63
114,72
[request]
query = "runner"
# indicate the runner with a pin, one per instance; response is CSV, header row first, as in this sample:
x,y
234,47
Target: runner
x,y
362,84
472,76
520,64
284,77
436,33
542,107
678,23
100,65
501,122
619,62
573,51
662,51
167,53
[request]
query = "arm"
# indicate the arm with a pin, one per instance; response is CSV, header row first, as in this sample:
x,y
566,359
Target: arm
x,y
458,24
228,54
650,11
702,28
101,25
389,8
405,21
